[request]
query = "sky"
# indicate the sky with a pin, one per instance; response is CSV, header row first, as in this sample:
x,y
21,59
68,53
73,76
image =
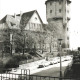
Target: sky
x,y
16,6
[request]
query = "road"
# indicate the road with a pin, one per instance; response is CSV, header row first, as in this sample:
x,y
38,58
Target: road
x,y
54,71
50,70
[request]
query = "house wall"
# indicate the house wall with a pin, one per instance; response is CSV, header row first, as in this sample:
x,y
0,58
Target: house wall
x,y
34,23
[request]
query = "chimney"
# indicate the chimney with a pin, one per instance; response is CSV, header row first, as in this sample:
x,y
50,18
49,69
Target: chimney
x,y
20,13
14,15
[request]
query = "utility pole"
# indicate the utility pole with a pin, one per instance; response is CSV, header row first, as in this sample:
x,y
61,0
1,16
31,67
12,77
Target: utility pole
x,y
60,59
23,44
11,42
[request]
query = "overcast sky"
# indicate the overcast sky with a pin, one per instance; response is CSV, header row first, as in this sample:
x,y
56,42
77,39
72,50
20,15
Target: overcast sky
x,y
15,6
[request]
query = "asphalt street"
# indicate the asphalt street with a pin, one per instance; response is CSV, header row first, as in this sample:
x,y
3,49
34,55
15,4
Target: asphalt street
x,y
54,71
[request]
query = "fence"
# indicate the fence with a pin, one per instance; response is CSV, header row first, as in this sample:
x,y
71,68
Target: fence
x,y
32,77
25,75
36,77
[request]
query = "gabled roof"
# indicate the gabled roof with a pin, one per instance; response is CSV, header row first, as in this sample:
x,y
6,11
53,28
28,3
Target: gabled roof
x,y
3,20
10,21
27,16
24,18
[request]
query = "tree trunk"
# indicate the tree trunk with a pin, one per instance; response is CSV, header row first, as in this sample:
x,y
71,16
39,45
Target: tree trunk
x,y
24,44
11,49
23,51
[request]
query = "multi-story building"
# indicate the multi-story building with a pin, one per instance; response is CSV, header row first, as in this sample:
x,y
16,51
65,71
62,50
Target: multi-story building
x,y
57,12
45,36
32,26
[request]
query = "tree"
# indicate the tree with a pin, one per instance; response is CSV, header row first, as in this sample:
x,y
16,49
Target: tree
x,y
23,40
78,48
4,41
19,41
26,38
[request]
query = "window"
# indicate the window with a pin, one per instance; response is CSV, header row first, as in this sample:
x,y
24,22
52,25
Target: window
x,y
59,2
50,3
29,25
35,18
38,28
50,11
67,29
67,38
68,45
67,11
34,24
53,45
60,10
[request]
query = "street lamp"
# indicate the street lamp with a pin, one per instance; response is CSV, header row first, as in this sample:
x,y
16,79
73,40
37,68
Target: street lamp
x,y
11,43
60,59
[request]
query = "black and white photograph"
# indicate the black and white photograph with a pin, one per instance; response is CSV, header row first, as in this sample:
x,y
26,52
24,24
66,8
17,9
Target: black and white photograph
x,y
39,40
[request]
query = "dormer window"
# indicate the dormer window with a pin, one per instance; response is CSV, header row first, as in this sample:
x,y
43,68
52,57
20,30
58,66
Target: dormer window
x,y
12,24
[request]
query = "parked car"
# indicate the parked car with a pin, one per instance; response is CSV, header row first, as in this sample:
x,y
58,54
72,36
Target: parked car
x,y
41,66
51,63
55,61
46,63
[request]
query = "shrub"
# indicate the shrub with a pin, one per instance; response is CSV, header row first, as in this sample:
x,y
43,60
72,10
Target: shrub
x,y
19,57
12,63
29,57
33,53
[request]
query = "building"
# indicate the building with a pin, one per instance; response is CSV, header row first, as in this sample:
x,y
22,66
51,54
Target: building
x,y
57,12
34,33
8,25
32,26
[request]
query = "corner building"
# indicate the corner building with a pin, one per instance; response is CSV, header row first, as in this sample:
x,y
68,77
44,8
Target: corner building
x,y
57,12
